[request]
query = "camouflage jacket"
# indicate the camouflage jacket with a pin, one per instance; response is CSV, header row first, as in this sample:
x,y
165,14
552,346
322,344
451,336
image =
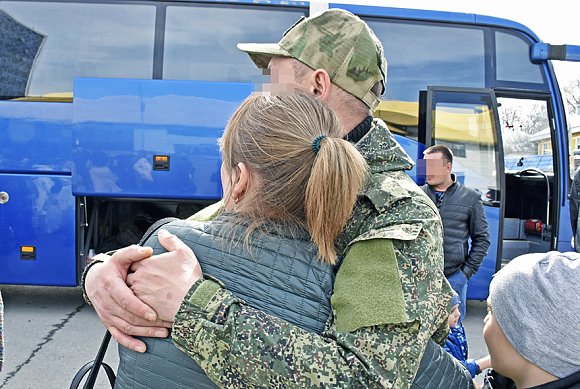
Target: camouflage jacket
x,y
390,296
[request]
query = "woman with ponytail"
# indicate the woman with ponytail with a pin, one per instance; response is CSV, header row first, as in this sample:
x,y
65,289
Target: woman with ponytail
x,y
290,183
290,151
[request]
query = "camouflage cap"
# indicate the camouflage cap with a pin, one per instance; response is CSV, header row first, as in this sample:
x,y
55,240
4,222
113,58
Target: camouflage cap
x,y
334,40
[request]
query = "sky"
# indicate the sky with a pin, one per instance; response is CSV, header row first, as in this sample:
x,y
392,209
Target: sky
x,y
558,24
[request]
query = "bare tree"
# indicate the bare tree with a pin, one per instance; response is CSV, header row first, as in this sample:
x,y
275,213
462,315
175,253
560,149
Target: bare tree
x,y
518,142
519,120
535,120
572,95
509,117
530,120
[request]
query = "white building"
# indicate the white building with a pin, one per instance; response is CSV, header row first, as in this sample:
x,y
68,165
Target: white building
x,y
545,142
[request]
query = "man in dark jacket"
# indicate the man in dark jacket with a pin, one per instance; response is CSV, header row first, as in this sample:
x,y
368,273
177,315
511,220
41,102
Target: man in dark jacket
x,y
463,217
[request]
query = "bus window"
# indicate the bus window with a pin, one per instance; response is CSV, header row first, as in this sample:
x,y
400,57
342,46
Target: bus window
x,y
465,122
526,134
513,62
199,48
84,40
423,54
419,55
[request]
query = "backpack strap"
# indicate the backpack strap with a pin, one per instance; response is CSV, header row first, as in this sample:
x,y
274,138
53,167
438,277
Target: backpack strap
x,y
154,227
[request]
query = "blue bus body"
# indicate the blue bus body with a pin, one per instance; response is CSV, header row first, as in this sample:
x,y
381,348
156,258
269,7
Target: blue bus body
x,y
93,150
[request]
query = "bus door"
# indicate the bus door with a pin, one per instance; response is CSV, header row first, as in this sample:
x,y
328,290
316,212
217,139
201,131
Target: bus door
x,y
533,178
466,121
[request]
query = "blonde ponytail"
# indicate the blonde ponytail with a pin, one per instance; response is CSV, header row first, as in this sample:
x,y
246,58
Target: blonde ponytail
x,y
291,183
338,173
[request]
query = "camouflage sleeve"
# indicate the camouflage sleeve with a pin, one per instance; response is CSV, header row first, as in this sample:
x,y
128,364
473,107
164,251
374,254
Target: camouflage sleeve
x,y
443,308
239,346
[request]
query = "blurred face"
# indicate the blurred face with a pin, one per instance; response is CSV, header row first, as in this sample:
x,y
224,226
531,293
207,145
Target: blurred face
x,y
282,81
454,316
437,169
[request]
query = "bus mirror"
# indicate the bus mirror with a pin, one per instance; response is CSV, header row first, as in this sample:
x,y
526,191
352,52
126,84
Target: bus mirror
x,y
544,51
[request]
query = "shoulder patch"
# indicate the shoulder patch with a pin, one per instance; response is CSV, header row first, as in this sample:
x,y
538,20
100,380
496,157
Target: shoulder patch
x,y
367,289
385,191
407,231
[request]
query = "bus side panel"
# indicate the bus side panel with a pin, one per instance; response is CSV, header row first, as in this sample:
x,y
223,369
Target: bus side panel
x,y
565,235
37,223
37,230
35,137
151,138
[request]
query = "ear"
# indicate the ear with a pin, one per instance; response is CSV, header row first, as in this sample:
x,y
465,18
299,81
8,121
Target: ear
x,y
449,167
241,185
321,84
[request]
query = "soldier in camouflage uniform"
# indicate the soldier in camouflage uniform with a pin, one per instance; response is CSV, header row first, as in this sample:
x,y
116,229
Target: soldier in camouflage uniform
x,y
390,295
393,266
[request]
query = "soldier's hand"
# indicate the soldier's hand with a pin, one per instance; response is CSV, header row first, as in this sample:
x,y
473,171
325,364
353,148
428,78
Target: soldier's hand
x,y
162,281
119,309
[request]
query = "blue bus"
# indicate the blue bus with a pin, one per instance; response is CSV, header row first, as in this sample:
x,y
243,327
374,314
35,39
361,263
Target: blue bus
x,y
110,113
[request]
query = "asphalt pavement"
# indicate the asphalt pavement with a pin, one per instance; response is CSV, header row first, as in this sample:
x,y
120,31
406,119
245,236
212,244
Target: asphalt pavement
x,y
50,333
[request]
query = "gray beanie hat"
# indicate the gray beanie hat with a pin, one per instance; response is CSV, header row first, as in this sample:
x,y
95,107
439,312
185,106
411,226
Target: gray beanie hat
x,y
536,301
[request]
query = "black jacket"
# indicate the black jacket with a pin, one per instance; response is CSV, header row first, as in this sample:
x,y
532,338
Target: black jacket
x,y
570,382
494,380
463,216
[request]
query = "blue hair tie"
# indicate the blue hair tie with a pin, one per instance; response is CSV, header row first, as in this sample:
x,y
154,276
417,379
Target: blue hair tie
x,y
316,143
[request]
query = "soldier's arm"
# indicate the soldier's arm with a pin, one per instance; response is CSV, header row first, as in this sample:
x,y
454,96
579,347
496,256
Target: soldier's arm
x,y
239,346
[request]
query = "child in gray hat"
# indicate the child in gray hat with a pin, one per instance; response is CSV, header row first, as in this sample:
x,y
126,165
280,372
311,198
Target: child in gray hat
x,y
532,329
